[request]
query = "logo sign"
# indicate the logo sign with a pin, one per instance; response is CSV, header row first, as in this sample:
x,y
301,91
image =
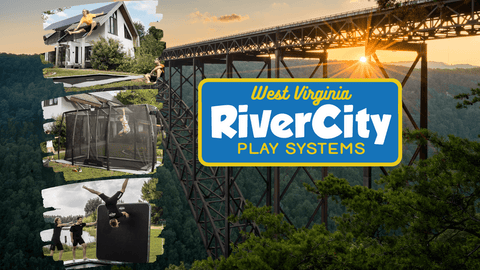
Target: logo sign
x,y
300,122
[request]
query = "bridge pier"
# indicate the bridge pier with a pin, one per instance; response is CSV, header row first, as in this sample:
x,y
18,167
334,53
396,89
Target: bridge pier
x,y
421,50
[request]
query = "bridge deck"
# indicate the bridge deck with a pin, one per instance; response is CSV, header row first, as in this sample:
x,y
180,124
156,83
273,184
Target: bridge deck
x,y
415,23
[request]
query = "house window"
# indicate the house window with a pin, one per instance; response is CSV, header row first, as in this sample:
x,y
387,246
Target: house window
x,y
88,53
127,34
113,24
50,102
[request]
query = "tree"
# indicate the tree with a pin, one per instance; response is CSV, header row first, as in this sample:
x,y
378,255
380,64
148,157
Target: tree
x,y
405,10
92,205
107,54
151,47
152,44
59,129
140,29
426,217
475,93
151,194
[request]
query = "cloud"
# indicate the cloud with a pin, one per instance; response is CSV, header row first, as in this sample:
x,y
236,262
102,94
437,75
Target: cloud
x,y
196,17
49,20
280,5
62,14
149,6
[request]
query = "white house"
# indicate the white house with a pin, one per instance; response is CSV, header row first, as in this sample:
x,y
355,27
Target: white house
x,y
75,50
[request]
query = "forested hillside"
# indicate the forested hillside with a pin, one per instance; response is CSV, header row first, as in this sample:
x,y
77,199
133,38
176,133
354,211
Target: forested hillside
x,y
22,176
444,118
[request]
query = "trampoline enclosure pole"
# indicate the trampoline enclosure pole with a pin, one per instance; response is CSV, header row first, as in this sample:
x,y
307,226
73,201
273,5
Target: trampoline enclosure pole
x,y
154,150
108,137
59,134
73,137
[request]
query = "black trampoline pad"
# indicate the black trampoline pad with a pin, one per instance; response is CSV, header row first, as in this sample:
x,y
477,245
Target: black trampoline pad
x,y
130,242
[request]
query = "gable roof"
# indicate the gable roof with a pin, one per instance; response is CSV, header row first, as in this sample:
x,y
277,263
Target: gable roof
x,y
97,99
106,97
110,8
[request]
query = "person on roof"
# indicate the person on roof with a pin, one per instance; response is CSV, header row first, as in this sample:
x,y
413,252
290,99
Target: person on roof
x,y
87,19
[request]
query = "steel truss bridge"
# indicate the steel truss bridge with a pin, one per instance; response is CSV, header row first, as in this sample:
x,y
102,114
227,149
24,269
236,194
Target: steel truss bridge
x,y
212,192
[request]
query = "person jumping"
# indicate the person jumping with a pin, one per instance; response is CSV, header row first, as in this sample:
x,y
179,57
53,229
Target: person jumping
x,y
126,127
87,19
76,235
111,203
155,73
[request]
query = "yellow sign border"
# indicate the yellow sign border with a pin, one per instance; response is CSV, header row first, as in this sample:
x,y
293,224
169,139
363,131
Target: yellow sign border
x,y
295,164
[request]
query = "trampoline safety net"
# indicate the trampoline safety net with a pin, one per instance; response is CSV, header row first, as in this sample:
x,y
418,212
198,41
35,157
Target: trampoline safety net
x,y
118,137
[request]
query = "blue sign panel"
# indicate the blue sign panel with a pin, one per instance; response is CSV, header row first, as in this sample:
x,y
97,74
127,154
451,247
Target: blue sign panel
x,y
300,122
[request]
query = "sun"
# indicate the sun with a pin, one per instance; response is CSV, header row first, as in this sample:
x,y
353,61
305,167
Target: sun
x,y
363,59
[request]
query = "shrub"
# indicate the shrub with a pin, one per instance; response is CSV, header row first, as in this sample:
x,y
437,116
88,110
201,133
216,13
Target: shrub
x,y
127,65
144,63
107,54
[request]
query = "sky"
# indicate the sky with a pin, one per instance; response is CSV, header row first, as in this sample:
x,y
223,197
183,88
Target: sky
x,y
71,198
187,21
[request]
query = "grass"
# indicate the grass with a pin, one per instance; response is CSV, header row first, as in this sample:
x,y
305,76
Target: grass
x,y
87,173
68,254
59,72
156,248
156,244
110,85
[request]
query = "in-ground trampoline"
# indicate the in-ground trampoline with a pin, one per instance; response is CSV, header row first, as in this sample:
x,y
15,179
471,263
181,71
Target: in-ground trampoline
x,y
101,137
92,79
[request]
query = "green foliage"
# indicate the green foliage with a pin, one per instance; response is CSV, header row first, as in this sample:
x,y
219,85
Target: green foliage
x,y
42,59
144,62
152,44
120,267
58,129
147,96
22,176
127,64
426,217
182,238
475,93
151,47
151,194
107,54
140,29
91,207
174,267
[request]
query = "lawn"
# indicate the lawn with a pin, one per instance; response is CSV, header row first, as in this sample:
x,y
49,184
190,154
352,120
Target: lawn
x,y
110,85
156,248
71,172
60,72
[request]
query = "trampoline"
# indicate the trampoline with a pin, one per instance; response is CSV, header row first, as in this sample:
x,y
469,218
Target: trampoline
x,y
97,137
129,243
92,79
